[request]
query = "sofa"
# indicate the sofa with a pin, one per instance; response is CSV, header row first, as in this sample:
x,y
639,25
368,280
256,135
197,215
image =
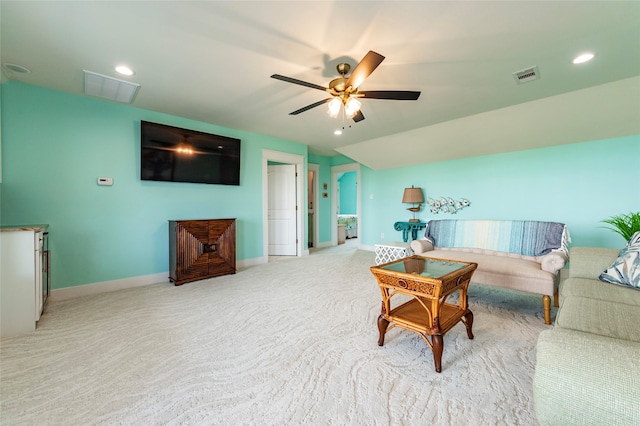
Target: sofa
x,y
514,254
588,366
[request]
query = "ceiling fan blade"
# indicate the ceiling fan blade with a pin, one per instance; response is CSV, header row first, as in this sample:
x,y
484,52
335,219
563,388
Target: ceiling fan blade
x,y
300,82
399,95
366,66
358,117
308,107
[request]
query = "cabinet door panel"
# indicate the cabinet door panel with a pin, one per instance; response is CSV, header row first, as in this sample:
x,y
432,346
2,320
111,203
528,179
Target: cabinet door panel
x,y
191,260
222,233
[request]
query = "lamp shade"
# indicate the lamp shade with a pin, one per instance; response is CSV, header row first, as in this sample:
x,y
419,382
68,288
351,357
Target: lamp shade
x,y
412,195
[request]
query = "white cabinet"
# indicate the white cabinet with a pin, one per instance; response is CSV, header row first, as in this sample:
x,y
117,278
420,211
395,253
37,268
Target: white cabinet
x,y
24,278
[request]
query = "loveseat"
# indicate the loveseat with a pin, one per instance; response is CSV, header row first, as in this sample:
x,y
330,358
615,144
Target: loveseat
x,y
515,254
588,366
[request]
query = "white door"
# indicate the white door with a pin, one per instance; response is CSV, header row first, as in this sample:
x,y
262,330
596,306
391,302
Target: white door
x,y
282,210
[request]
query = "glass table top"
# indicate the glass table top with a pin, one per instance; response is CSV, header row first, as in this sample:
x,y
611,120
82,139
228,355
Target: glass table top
x,y
424,266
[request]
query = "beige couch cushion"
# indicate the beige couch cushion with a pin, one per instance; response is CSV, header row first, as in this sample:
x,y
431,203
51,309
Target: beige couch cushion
x,y
595,289
585,379
503,271
602,317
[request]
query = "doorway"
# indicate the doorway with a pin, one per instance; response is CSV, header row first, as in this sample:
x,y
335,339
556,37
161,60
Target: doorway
x,y
297,235
337,171
282,209
313,205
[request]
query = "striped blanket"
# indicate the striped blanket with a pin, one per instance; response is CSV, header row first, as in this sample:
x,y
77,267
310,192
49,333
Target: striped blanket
x,y
525,237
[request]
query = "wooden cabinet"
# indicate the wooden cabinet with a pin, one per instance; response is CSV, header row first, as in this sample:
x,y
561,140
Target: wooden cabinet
x,y
200,249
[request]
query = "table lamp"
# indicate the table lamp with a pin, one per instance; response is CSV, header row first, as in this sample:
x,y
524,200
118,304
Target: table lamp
x,y
413,196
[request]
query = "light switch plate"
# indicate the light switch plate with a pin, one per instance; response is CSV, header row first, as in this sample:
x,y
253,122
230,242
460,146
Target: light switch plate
x,y
105,181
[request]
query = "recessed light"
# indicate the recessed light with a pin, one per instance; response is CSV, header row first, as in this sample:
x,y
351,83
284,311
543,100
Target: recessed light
x,y
585,57
337,132
124,70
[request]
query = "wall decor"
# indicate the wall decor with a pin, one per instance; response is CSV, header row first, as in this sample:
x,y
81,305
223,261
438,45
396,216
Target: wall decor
x,y
448,205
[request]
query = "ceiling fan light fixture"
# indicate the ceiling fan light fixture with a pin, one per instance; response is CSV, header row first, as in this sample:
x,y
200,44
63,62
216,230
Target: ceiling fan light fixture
x,y
334,107
352,107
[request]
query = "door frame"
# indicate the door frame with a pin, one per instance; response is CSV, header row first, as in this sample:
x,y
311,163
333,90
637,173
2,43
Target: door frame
x,y
335,171
315,168
298,161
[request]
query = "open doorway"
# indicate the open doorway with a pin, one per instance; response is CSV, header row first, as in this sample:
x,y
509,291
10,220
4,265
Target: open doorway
x,y
272,200
313,212
355,228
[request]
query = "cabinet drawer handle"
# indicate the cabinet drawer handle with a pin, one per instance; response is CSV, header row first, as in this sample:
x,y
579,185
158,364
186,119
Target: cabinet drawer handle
x,y
210,248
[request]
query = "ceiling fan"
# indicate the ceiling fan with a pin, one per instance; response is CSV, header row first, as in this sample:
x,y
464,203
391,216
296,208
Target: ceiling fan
x,y
344,90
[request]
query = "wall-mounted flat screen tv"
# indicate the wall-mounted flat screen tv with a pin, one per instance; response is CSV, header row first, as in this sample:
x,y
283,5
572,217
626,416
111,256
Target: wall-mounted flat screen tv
x,y
180,155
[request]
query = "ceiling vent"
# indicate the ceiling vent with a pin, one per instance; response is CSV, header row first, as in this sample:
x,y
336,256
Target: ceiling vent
x,y
110,88
527,75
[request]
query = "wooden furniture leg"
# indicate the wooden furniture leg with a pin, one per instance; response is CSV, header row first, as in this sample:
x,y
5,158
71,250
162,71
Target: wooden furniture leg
x,y
556,300
546,303
437,343
382,326
468,322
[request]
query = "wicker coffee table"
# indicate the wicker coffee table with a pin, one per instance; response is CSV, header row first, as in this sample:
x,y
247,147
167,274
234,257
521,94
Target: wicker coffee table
x,y
428,282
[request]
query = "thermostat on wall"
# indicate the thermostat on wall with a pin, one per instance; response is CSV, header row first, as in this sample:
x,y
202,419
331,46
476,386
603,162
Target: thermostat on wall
x,y
105,181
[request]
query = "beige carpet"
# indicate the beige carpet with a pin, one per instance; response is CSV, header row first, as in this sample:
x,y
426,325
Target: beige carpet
x,y
286,343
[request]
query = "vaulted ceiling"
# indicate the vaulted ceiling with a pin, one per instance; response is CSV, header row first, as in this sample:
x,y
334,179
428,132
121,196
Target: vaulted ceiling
x,y
212,61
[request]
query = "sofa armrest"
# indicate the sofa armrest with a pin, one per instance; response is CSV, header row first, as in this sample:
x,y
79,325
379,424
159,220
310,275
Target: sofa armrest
x,y
589,262
553,262
421,246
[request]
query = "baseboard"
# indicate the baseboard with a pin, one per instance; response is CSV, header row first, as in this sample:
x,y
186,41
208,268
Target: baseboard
x,y
107,286
251,262
322,245
124,283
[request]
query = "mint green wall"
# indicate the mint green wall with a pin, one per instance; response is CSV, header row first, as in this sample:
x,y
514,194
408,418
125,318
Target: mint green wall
x,y
56,145
578,184
348,193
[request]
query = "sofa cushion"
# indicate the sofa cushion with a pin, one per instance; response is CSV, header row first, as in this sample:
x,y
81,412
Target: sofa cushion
x,y
625,270
594,289
585,379
503,271
602,317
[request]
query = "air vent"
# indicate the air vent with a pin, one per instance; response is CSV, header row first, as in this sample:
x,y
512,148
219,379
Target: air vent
x,y
527,75
110,88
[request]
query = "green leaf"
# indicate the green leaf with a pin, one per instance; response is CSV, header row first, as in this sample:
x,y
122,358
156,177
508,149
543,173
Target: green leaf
x,y
624,224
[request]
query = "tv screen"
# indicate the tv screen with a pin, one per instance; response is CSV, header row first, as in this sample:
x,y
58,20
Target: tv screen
x,y
180,155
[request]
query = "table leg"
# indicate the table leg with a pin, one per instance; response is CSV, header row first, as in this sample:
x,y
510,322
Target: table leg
x,y
382,326
468,322
437,343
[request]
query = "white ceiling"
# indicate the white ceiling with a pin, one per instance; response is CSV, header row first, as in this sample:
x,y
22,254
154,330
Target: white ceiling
x,y
212,61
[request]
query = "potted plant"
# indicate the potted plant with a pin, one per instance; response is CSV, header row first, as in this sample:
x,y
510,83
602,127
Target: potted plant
x,y
624,224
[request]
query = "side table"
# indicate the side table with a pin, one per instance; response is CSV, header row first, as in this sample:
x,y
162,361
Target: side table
x,y
405,227
388,252
428,283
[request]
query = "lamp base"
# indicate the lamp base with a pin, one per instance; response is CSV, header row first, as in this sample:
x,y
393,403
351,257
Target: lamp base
x,y
414,220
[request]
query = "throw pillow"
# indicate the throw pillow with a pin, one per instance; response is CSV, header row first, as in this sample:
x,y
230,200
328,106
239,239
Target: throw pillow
x,y
625,270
